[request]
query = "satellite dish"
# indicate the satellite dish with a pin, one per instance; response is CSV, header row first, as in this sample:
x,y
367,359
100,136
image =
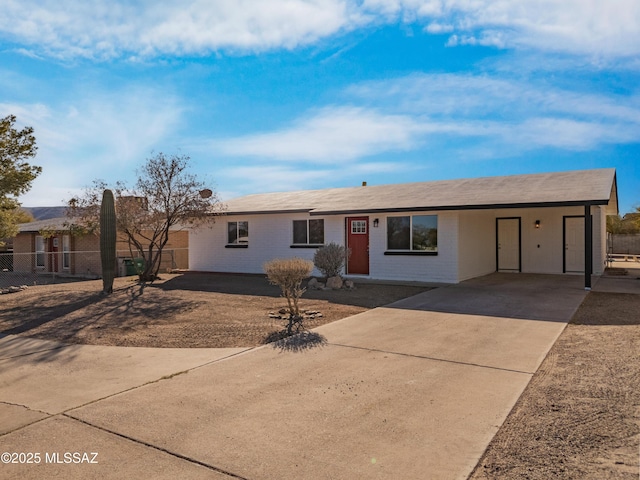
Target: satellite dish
x,y
206,193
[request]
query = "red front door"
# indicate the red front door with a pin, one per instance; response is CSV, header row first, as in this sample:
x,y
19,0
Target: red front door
x,y
358,243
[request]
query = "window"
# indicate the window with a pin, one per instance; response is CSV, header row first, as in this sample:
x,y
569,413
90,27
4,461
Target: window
x,y
308,232
416,233
39,251
66,252
238,233
358,226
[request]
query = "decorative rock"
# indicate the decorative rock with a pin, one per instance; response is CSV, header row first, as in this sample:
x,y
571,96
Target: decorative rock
x,y
335,283
349,285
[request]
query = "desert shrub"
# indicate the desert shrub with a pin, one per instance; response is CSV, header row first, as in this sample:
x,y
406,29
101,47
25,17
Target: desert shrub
x,y
288,274
330,259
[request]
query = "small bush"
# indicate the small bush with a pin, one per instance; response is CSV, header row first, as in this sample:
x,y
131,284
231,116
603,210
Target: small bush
x,y
330,259
288,274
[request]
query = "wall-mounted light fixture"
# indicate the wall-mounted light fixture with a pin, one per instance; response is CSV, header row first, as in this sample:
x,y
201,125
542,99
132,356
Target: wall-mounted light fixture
x,y
537,223
376,222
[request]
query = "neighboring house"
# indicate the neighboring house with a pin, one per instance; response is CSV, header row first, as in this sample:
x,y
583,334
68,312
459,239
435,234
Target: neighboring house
x,y
47,246
443,231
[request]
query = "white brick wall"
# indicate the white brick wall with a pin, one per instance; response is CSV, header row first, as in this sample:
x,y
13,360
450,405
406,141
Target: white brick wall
x,y
542,248
466,244
477,244
270,236
441,268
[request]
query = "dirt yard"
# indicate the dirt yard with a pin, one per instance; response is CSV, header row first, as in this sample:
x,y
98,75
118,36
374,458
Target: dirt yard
x,y
579,418
190,310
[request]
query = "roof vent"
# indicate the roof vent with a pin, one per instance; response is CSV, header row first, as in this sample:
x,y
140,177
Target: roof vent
x,y
364,184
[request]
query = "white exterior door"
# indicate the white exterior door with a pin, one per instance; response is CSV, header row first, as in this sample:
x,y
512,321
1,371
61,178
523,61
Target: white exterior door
x,y
508,244
574,244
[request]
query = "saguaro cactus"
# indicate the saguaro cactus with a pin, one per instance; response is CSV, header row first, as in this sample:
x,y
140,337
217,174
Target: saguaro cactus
x,y
108,240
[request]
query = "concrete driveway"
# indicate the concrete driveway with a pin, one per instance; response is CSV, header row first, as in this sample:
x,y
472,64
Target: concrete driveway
x,y
413,390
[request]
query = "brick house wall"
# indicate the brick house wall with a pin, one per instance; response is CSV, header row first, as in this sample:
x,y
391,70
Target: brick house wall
x,y
84,257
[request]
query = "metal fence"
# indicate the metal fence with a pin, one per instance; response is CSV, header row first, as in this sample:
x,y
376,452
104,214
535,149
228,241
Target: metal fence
x,y
625,244
40,268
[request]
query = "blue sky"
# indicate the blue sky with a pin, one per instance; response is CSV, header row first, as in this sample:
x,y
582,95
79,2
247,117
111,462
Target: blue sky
x,y
291,94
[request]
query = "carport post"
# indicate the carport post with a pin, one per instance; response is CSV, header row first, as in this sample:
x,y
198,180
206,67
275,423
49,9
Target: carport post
x,y
588,247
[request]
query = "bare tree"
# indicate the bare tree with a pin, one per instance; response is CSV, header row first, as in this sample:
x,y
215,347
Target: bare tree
x,y
165,198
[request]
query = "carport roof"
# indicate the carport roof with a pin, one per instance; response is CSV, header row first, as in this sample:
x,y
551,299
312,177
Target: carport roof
x,y
578,187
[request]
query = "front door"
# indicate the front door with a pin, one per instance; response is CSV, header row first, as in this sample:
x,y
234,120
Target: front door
x,y
574,244
53,257
508,248
358,244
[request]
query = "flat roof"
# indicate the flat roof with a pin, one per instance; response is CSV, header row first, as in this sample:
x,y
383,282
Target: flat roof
x,y
577,187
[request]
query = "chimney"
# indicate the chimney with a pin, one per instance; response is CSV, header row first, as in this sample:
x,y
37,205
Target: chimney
x,y
364,184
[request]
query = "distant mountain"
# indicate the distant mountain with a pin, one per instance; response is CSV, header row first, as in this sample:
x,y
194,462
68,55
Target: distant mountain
x,y
45,213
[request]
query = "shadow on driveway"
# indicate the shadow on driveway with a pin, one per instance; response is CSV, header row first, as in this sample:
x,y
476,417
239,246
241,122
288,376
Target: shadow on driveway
x,y
553,298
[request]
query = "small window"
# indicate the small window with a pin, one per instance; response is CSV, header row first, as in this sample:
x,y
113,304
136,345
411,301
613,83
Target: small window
x,y
39,251
238,233
308,232
417,233
66,252
358,226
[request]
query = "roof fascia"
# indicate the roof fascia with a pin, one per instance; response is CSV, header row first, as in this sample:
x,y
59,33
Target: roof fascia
x,y
265,212
573,203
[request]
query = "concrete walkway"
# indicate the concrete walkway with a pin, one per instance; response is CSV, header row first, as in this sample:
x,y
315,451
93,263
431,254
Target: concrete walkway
x,y
413,390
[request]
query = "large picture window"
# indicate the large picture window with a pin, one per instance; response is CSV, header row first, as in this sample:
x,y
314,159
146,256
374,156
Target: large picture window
x,y
238,233
415,233
308,232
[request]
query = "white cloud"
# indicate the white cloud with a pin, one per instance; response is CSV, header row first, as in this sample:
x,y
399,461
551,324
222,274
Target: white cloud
x,y
461,96
271,178
437,28
568,134
332,135
447,112
96,137
106,29
609,28
451,111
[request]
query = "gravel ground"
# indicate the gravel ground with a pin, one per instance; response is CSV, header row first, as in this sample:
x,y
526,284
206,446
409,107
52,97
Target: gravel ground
x,y
579,418
190,310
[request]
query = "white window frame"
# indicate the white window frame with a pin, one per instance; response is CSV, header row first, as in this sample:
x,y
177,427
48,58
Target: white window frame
x,y
66,252
358,227
40,252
